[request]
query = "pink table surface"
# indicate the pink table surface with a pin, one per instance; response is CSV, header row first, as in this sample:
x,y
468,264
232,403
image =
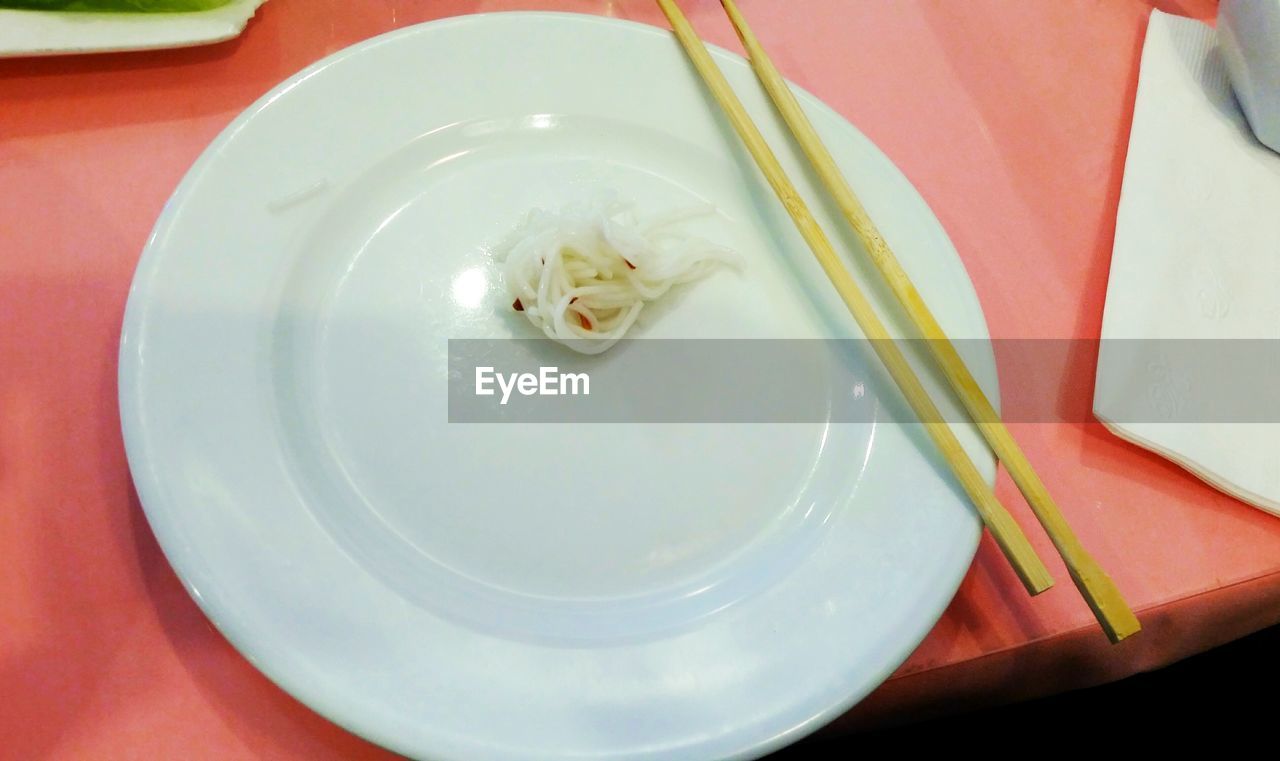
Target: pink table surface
x,y
1012,118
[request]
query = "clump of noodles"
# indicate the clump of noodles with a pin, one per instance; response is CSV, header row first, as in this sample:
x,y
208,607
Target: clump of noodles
x,y
583,275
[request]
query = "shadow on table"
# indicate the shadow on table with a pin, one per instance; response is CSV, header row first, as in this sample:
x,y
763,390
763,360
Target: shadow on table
x,y
89,598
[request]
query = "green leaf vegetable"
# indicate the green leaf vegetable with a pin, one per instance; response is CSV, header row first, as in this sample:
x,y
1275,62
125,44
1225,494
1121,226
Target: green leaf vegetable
x,y
129,6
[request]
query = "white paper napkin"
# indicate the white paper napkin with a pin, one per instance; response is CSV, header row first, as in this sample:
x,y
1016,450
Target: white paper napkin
x,y
1196,256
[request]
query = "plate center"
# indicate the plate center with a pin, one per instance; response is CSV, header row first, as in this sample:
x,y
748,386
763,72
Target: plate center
x,y
526,516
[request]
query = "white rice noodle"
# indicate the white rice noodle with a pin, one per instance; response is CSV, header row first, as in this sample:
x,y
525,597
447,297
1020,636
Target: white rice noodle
x,y
583,275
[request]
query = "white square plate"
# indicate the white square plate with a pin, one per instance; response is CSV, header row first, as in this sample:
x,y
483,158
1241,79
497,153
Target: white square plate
x,y
38,33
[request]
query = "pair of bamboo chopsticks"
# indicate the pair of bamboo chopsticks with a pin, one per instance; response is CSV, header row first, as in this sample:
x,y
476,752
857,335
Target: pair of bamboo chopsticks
x,y
1117,620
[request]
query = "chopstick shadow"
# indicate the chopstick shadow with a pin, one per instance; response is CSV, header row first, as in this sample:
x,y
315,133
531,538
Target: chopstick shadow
x,y
992,576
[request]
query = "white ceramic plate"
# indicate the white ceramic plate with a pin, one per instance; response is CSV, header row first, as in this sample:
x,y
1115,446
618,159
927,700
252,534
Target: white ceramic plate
x,y
501,591
36,33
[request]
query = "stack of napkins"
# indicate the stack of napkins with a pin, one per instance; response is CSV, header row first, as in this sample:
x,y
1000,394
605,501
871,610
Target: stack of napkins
x,y
1196,256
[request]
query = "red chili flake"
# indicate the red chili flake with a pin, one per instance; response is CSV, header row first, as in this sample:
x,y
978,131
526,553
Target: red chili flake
x,y
628,261
516,305
586,323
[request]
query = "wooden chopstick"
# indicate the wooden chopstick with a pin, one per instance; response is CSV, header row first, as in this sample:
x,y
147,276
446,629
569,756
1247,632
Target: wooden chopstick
x,y
1095,586
1035,577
